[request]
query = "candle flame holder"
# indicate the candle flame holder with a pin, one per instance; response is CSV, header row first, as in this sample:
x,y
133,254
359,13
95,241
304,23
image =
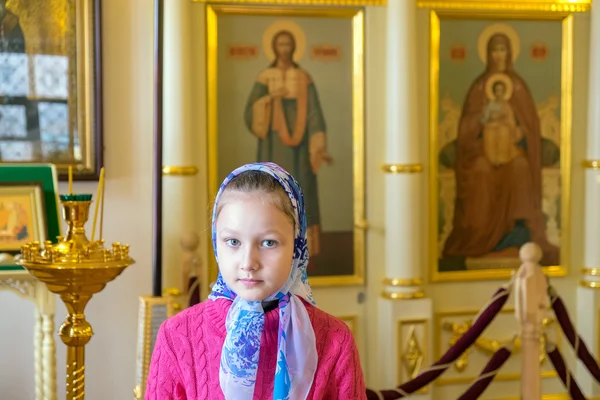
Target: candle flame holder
x,y
75,268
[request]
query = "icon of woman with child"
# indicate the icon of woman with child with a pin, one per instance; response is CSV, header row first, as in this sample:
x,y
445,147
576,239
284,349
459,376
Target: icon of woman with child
x,y
498,168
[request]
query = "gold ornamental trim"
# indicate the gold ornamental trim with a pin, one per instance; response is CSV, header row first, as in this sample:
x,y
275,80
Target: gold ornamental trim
x,y
402,168
591,164
558,6
300,2
402,296
408,282
171,170
591,271
590,284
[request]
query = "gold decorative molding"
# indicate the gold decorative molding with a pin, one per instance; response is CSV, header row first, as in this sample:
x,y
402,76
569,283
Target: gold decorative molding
x,y
558,6
402,296
555,396
590,272
300,2
411,339
590,284
409,282
483,345
591,164
171,170
489,346
457,330
402,168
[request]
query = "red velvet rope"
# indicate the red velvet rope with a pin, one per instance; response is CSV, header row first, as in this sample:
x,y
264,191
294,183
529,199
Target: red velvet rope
x,y
462,344
487,375
562,315
563,373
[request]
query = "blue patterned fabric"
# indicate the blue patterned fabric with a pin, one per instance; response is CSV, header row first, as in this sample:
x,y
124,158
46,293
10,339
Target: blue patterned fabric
x,y
296,347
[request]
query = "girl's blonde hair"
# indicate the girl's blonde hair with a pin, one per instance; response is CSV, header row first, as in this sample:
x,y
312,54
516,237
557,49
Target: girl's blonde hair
x,y
258,181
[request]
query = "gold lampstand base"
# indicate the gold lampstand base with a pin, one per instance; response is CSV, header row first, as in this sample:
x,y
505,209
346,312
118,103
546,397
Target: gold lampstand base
x,y
75,269
75,372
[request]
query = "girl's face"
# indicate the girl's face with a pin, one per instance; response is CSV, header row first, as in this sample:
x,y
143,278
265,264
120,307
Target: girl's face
x,y
255,244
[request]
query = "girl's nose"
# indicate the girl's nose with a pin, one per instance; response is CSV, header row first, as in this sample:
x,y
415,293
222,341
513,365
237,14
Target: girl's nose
x,y
250,260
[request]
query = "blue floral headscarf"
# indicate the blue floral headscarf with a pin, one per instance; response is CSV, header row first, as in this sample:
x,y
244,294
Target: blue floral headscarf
x,y
296,345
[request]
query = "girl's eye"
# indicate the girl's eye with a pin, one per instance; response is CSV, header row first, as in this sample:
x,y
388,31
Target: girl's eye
x,y
269,243
233,242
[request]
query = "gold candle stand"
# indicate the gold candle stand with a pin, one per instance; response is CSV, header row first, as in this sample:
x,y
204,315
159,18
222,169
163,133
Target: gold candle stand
x,y
75,269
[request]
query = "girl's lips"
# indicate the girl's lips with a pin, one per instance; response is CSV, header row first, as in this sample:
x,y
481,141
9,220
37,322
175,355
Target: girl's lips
x,y
251,282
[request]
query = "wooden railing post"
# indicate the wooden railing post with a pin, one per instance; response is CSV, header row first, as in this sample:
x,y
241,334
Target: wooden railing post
x,y
531,305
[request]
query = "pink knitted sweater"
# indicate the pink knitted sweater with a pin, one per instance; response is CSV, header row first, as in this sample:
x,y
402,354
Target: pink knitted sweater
x,y
187,353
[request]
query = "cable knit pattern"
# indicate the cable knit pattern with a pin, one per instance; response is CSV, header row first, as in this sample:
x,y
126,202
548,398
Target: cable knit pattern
x,y
185,361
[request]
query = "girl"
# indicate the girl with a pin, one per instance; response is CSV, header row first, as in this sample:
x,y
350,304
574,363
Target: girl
x,y
259,335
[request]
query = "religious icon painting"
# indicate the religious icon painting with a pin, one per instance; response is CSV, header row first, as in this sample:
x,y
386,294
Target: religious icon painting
x,y
500,141
22,216
49,84
286,85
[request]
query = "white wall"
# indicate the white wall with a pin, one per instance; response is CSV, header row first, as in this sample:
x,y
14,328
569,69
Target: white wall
x,y
128,102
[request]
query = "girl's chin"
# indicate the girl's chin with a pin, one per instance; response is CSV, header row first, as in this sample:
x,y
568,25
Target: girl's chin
x,y
254,294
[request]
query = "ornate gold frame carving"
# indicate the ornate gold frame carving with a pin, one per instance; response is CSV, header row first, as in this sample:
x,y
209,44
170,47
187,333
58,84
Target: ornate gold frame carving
x,y
477,9
300,2
485,345
357,17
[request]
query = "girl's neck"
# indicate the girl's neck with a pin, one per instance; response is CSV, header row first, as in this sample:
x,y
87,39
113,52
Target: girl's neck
x,y
269,305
